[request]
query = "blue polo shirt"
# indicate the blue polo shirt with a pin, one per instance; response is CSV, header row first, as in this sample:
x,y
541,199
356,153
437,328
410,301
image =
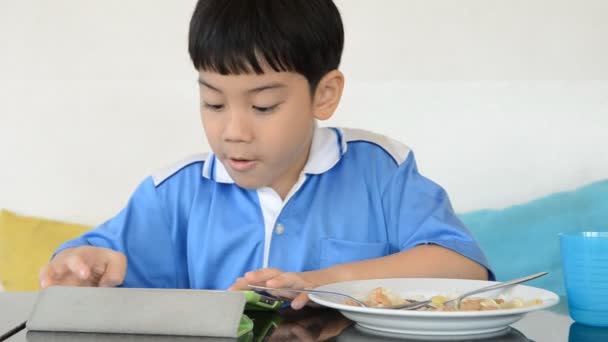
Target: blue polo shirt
x,y
359,196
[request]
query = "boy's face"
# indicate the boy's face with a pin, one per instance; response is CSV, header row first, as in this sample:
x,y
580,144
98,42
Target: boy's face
x,y
259,126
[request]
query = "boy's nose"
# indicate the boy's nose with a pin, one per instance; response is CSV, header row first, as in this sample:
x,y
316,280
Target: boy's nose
x,y
237,129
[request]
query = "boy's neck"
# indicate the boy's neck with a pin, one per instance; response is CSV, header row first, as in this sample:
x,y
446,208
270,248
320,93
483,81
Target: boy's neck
x,y
283,186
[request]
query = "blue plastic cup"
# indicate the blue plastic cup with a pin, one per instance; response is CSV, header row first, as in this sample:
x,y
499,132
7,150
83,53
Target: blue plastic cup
x,y
585,265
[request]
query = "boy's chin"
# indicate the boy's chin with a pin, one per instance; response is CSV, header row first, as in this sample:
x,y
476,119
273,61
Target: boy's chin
x,y
249,181
249,184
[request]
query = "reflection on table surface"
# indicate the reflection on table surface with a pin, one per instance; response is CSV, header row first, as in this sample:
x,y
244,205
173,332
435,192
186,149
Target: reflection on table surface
x,y
323,325
305,325
355,334
584,333
302,325
39,336
311,325
334,327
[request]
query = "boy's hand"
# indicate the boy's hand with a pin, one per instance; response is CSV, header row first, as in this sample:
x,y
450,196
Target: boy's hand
x,y
273,277
85,266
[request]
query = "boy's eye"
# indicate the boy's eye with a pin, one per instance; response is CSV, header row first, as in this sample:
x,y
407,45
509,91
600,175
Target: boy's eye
x,y
265,110
213,107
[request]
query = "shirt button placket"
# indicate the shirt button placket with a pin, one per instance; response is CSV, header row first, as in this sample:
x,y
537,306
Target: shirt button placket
x,y
279,229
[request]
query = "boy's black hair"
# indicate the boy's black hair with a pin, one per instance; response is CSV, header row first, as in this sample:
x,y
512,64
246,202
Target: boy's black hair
x,y
232,37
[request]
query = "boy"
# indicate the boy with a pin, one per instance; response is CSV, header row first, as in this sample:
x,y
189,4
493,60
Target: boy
x,y
280,202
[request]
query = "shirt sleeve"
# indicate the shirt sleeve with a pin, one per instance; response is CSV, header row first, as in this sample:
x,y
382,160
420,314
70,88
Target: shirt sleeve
x,y
419,212
142,232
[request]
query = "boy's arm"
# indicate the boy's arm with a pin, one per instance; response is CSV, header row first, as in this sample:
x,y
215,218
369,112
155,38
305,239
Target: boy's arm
x,y
424,232
141,232
424,261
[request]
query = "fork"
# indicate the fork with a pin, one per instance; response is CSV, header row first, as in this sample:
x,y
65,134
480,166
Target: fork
x,y
411,304
405,306
459,299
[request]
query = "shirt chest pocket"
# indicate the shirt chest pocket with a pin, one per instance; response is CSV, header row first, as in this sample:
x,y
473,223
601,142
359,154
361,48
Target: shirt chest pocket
x,y
335,251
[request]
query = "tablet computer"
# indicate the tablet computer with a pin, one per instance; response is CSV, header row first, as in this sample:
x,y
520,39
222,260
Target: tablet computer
x,y
139,311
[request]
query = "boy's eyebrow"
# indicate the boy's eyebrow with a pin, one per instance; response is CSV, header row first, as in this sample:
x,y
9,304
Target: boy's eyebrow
x,y
254,90
203,83
266,87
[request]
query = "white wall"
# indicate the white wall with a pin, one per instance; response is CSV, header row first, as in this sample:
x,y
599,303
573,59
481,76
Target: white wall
x,y
502,101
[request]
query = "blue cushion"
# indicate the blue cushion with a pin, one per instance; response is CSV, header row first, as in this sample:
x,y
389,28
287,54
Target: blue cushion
x,y
523,239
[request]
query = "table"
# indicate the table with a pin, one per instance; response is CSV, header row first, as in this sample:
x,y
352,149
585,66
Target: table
x,y
553,325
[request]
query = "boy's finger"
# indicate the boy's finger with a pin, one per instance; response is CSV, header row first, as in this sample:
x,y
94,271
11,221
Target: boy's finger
x,y
262,275
113,275
51,273
289,279
77,266
45,276
98,268
60,270
239,284
300,301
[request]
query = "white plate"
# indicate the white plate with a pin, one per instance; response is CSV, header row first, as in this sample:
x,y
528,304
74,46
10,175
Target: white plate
x,y
430,323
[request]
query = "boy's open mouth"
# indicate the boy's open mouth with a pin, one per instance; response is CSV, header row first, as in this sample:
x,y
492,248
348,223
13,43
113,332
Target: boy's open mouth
x,y
240,165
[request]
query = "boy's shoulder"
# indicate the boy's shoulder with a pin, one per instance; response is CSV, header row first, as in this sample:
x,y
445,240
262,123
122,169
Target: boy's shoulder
x,y
366,145
353,137
190,164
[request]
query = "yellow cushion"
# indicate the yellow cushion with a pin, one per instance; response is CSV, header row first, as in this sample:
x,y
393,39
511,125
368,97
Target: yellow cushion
x,y
26,244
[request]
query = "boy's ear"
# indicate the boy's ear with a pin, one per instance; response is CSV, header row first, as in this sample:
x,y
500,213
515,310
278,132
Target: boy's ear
x,y
328,95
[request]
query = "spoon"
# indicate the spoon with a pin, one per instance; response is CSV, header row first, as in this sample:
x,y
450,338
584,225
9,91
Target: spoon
x,y
412,304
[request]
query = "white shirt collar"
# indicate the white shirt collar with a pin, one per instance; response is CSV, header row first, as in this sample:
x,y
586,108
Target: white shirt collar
x,y
326,149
